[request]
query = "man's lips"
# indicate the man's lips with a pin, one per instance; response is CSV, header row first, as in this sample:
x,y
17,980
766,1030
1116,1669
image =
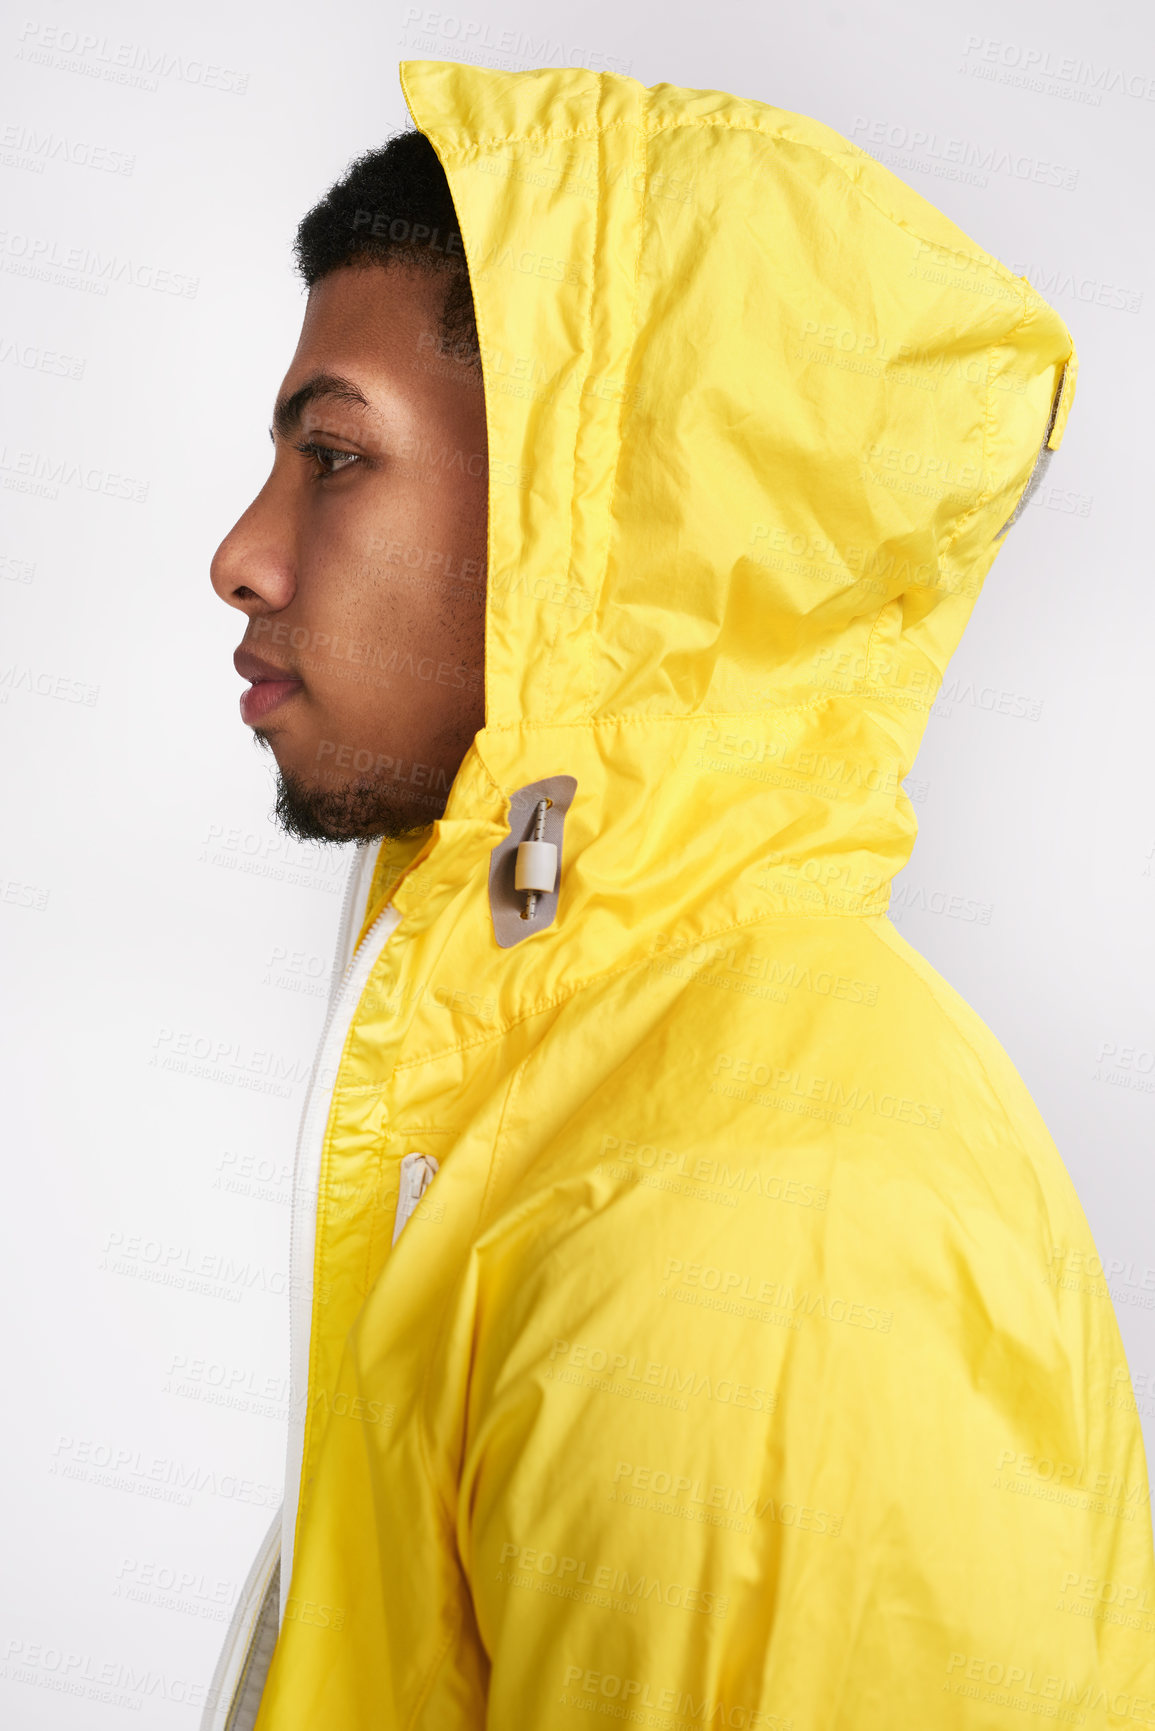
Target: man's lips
x,y
269,686
263,697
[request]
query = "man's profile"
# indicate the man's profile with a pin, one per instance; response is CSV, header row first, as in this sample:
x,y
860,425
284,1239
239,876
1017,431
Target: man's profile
x,y
680,1330
362,553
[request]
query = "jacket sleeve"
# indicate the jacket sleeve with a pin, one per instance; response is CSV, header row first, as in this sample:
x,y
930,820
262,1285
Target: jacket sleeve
x,y
869,1487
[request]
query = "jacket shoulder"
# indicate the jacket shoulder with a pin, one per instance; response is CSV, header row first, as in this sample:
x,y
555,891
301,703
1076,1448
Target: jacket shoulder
x,y
833,1037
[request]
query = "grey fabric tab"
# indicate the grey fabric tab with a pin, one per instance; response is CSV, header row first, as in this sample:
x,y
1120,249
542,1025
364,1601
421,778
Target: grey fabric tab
x,y
506,904
1042,461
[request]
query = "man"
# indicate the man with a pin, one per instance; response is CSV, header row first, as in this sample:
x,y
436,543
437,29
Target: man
x,y
692,1321
361,565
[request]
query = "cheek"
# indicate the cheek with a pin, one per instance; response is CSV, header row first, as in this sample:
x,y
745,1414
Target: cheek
x,y
394,571
352,574
440,519
421,523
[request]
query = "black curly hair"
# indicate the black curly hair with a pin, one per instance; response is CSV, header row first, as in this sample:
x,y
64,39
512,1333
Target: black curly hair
x,y
393,205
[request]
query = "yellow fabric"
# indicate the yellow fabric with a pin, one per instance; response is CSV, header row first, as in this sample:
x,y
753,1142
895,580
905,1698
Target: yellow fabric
x,y
394,857
748,1362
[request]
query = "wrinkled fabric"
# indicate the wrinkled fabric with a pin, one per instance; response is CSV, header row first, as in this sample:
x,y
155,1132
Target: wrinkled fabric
x,y
747,1362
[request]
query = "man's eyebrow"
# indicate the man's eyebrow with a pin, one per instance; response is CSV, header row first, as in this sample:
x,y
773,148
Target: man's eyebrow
x,y
288,411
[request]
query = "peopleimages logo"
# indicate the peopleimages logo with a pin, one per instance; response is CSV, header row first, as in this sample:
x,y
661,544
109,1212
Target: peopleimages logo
x,y
230,1061
472,37
583,1687
112,1682
215,1274
25,147
38,473
34,359
162,1478
929,152
83,267
1032,67
119,62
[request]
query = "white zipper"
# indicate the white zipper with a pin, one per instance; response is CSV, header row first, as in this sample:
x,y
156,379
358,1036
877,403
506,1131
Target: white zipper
x,y
239,1678
345,994
231,1701
360,877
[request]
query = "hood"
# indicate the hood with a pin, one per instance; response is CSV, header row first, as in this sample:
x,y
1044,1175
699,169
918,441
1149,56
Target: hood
x,y
759,417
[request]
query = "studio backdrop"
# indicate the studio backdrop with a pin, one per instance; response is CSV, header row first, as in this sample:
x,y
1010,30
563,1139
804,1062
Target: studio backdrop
x,y
167,949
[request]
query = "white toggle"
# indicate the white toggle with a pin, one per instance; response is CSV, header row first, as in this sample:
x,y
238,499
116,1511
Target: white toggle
x,y
536,866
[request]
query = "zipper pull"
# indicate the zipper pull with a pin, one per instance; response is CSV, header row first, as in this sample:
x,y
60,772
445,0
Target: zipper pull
x,y
417,1173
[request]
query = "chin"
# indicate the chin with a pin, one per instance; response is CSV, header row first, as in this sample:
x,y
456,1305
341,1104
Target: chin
x,y
353,811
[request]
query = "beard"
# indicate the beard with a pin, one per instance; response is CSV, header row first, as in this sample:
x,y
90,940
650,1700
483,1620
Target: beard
x,y
357,810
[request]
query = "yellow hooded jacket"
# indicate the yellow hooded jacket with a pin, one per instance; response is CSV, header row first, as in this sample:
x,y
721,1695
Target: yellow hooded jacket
x,y
743,1360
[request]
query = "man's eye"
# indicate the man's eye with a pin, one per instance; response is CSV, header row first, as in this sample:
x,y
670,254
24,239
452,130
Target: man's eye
x,y
331,461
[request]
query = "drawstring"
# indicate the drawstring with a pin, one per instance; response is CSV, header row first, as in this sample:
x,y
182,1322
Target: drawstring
x,y
536,869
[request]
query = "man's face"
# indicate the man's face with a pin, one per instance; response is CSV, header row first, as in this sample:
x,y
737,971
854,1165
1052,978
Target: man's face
x,y
360,565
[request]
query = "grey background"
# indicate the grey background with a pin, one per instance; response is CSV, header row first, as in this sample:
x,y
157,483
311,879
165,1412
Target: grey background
x,y
154,919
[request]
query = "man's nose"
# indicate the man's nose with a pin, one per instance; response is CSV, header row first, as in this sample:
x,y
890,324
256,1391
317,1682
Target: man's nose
x,y
254,569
